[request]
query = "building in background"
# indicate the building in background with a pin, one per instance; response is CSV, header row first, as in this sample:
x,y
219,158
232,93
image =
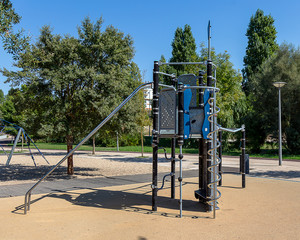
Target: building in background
x,y
148,95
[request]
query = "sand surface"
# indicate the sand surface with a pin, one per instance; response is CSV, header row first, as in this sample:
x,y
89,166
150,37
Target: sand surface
x,y
268,208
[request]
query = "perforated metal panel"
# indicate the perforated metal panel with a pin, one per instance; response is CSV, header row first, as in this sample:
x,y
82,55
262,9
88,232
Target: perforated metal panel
x,y
167,112
191,80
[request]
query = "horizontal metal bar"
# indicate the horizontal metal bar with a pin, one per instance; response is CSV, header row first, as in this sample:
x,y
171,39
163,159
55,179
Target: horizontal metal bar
x,y
166,74
167,86
231,130
28,193
181,63
202,87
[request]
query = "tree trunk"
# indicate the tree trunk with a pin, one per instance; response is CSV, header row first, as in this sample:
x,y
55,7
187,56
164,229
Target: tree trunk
x,y
70,158
94,145
142,140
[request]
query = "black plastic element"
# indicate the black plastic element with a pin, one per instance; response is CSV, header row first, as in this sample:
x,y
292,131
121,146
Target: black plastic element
x,y
180,114
220,156
163,181
155,136
209,73
201,91
165,152
209,175
173,145
180,156
180,179
203,166
243,159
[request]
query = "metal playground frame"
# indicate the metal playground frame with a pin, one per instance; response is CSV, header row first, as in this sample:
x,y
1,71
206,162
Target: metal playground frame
x,y
21,133
186,109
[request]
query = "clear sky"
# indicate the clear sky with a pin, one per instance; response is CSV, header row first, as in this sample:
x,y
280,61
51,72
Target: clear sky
x,y
152,23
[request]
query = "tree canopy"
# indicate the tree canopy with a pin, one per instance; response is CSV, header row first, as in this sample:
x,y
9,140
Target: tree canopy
x,y
13,41
261,34
69,84
284,65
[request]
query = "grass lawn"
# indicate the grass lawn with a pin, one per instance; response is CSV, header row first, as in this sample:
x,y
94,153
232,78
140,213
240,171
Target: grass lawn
x,y
267,153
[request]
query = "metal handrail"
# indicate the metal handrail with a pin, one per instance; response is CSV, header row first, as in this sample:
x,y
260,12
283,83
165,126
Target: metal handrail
x,y
232,130
28,193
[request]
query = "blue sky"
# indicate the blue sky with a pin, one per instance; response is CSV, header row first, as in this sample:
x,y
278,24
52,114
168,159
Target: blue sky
x,y
152,23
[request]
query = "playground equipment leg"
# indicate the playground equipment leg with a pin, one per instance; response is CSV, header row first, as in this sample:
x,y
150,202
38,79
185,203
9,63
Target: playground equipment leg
x,y
243,158
173,144
14,146
180,137
180,179
155,135
220,156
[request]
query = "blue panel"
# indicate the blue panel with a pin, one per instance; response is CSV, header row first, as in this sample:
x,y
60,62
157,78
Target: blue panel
x,y
187,97
206,123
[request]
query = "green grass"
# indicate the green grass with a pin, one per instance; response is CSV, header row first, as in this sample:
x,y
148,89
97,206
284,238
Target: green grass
x,y
267,153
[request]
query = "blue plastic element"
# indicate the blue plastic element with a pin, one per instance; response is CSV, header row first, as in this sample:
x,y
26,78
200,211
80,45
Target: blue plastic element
x,y
206,123
187,97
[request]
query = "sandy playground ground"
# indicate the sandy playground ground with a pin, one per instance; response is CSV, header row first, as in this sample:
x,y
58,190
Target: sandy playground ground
x,y
268,208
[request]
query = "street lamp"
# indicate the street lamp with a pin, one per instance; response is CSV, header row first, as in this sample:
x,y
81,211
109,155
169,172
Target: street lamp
x,y
279,85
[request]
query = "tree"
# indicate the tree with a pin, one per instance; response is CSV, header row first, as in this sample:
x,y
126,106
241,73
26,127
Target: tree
x,y
13,42
69,84
284,66
183,49
262,44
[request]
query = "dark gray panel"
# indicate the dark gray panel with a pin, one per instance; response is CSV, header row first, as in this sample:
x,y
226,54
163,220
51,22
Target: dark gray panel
x,y
167,112
191,80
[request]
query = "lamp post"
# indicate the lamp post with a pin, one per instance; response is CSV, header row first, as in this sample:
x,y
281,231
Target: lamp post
x,y
279,85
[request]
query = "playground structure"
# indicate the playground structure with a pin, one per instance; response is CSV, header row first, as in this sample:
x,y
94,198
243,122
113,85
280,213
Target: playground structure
x,y
187,109
6,125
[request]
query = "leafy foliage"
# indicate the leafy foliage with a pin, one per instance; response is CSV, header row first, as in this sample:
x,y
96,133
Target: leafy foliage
x,y
262,44
282,66
13,42
69,85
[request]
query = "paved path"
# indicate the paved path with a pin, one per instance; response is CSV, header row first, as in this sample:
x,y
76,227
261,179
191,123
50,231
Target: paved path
x,y
258,168
87,183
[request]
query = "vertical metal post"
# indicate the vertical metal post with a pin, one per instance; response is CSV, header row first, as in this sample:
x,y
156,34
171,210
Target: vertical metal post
x,y
201,140
14,146
243,157
173,144
155,135
209,143
279,123
173,147
220,156
180,137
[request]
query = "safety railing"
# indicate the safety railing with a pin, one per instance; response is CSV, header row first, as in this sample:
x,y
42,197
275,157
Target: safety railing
x,y
28,193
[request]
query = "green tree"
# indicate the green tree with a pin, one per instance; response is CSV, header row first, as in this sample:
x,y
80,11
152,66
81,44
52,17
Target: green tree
x,y
183,49
13,42
69,84
282,66
2,98
262,44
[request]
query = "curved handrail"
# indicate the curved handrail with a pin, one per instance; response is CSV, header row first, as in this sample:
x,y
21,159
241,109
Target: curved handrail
x,y
28,193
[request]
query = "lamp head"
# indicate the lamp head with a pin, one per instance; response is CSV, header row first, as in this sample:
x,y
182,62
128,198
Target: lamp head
x,y
279,84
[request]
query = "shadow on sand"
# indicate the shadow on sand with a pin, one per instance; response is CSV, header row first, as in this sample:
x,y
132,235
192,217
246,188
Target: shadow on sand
x,y
123,200
19,172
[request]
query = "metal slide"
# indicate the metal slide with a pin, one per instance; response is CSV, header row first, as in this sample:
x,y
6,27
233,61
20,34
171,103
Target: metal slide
x,y
28,193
